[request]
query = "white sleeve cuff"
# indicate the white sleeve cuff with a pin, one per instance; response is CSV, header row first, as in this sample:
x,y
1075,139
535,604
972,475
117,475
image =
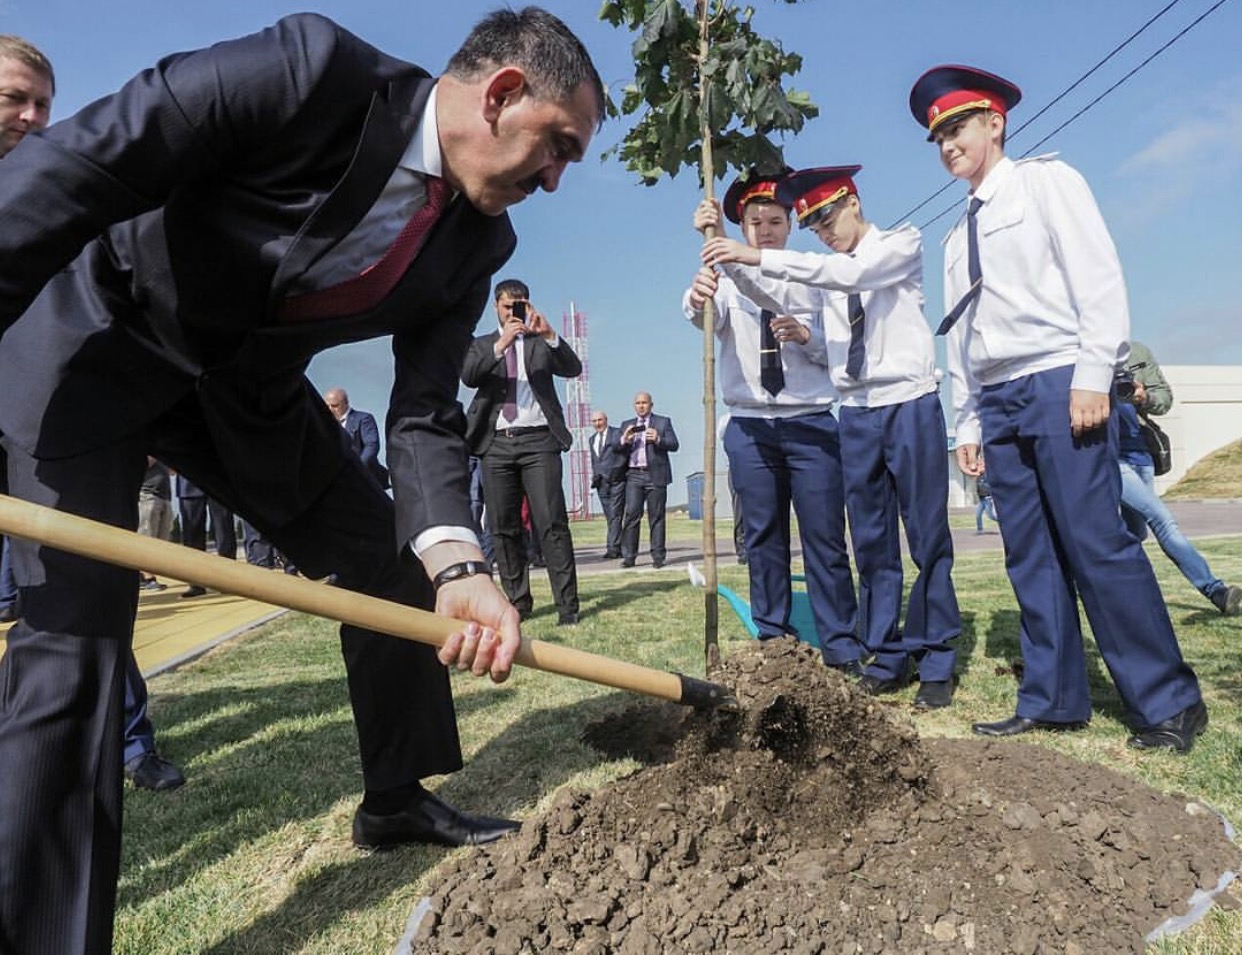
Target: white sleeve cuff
x,y
438,535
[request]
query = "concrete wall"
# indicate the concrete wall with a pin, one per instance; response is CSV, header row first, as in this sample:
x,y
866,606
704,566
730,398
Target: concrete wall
x,y
1206,414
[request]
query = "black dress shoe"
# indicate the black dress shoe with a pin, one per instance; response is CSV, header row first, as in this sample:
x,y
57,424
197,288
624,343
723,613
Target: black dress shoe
x,y
875,686
611,554
933,695
1177,732
657,564
8,614
567,620
1020,724
627,563
151,771
428,819
194,590
851,668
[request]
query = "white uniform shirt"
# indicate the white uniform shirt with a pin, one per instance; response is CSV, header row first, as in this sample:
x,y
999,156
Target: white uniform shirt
x,y
886,270
807,388
1052,294
529,413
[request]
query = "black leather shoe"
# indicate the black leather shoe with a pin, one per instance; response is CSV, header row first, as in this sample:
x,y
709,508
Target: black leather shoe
x,y
1177,732
611,554
567,620
875,686
428,819
8,614
194,590
1228,600
933,695
1020,724
627,563
851,668
151,771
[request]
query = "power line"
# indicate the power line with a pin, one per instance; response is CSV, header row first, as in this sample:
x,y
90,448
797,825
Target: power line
x,y
1060,96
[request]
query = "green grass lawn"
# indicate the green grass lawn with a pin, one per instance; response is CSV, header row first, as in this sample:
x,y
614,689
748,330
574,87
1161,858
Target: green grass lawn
x,y
253,854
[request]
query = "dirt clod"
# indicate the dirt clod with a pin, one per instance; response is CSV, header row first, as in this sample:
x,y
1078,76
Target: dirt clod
x,y
815,821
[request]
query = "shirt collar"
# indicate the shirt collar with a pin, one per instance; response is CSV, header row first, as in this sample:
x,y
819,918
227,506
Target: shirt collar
x,y
995,178
422,155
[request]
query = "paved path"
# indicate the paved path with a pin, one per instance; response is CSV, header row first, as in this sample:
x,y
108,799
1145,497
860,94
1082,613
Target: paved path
x,y
171,630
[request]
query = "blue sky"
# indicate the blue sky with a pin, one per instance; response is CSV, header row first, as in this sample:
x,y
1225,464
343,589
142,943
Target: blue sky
x,y
1163,154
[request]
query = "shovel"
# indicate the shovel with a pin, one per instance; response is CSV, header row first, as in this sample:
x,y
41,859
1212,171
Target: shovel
x,y
103,542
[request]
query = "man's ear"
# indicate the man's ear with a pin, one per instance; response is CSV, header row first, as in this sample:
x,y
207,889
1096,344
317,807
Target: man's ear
x,y
504,88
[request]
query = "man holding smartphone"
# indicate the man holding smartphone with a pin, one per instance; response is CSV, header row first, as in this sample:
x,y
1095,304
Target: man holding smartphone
x,y
515,425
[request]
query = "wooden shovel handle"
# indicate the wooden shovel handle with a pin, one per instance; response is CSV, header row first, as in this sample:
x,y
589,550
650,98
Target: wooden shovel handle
x,y
103,542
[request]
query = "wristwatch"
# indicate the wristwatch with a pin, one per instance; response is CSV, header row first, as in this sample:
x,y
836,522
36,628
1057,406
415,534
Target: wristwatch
x,y
464,568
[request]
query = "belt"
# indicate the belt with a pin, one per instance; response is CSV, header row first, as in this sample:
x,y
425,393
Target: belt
x,y
515,432
639,469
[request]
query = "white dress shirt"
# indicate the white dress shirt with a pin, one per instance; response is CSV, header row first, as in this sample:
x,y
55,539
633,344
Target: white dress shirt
x,y
529,412
886,270
1052,294
403,195
807,385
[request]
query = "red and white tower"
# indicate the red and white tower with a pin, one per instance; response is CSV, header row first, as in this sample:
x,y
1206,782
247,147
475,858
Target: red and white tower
x,y
578,416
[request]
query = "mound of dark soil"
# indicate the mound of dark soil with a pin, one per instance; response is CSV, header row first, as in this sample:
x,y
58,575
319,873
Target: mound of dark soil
x,y
816,822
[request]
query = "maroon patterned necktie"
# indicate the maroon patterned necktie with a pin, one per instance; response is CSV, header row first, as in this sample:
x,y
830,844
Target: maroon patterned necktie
x,y
366,290
509,409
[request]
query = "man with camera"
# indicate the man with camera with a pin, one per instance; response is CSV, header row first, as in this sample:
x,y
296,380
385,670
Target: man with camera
x,y
515,425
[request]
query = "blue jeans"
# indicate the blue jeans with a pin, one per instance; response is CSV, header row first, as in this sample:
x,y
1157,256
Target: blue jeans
x,y
1142,508
985,506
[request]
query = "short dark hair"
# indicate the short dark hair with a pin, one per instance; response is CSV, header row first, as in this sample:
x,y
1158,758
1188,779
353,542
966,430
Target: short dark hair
x,y
23,51
554,60
514,288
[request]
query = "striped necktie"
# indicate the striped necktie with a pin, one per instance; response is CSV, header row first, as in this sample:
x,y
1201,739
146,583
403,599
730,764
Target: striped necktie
x,y
858,325
972,266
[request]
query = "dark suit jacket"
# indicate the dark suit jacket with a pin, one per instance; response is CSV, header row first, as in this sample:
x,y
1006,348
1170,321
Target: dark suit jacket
x,y
658,467
220,176
364,441
610,463
484,371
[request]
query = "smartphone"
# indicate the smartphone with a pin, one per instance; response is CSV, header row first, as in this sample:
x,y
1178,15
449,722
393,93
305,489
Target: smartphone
x,y
519,310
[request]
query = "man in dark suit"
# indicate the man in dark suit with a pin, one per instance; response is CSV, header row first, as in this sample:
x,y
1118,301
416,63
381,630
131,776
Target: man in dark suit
x,y
362,431
172,258
516,426
194,505
646,441
608,478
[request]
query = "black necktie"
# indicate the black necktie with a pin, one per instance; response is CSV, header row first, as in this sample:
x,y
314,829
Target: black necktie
x,y
771,374
972,266
853,366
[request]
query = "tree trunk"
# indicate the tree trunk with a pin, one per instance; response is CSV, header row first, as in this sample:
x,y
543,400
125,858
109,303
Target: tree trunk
x,y
711,605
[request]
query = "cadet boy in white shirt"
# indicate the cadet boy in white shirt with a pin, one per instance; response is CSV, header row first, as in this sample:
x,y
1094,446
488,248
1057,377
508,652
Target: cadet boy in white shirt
x,y
1037,324
893,442
781,436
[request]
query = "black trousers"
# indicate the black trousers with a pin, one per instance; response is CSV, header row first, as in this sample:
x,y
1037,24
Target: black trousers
x,y
639,491
612,500
529,464
62,679
194,511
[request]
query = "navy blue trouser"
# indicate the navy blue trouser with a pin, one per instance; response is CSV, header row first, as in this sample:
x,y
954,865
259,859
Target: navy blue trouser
x,y
895,461
775,462
1064,537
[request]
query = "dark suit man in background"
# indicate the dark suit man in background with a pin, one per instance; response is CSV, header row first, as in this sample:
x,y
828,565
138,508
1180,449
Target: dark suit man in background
x,y
360,426
516,426
171,259
646,441
608,478
194,505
